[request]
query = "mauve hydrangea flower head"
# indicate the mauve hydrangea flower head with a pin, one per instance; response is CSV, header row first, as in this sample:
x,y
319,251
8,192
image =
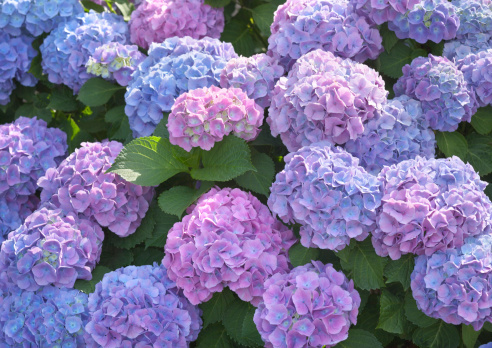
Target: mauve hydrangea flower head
x,y
157,20
176,66
204,116
67,48
51,248
382,11
80,184
141,307
115,61
255,75
477,70
475,18
454,285
459,49
311,306
14,209
398,133
48,317
301,26
34,16
324,98
433,20
442,89
324,189
229,238
429,205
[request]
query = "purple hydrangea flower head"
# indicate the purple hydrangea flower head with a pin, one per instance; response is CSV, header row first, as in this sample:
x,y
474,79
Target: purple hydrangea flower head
x,y
487,345
454,285
311,306
256,76
141,307
459,49
229,238
202,117
477,70
115,61
324,98
67,48
48,317
301,26
81,185
157,20
442,89
176,66
398,133
51,248
382,11
34,16
429,205
324,189
14,209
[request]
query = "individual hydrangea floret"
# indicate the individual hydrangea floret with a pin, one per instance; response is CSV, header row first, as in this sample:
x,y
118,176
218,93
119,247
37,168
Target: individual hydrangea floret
x,y
229,238
176,66
324,98
429,205
324,189
80,184
311,306
51,248
454,285
67,48
157,20
301,26
433,20
141,307
477,70
382,11
256,76
48,317
398,133
115,61
203,116
442,89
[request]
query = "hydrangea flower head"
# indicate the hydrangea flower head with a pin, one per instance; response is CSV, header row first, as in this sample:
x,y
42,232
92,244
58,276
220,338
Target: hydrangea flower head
x,y
475,18
81,185
429,205
141,307
442,89
51,248
158,20
256,76
14,209
67,48
202,117
311,306
176,66
383,11
115,61
324,98
459,49
229,238
477,70
454,285
324,189
398,133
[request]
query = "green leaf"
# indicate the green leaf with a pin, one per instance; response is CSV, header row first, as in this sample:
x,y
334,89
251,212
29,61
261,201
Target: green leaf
x,y
479,156
358,338
163,223
482,120
36,69
148,161
419,52
214,309
147,256
391,315
392,63
368,319
238,322
97,91
389,38
226,160
415,315
438,335
300,255
161,130
400,270
263,16
89,5
115,258
63,99
469,335
88,286
177,199
31,110
261,180
217,3
239,34
126,9
120,127
214,336
436,49
452,144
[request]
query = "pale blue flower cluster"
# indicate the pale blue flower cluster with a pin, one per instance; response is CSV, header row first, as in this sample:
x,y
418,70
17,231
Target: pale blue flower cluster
x,y
477,70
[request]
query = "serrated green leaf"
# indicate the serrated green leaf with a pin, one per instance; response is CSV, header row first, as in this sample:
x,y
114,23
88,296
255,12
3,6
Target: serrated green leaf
x,y
214,309
120,127
90,5
36,69
438,335
177,199
126,9
415,315
62,99
239,325
240,35
480,157
482,120
161,130
393,62
31,110
400,270
147,256
300,255
419,52
452,144
469,335
263,16
163,223
368,319
88,286
391,314
217,3
261,180
115,258
436,49
214,336
97,91
358,338
389,38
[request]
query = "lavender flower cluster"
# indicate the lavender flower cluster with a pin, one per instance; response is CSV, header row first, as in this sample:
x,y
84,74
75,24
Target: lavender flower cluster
x,y
324,98
382,11
141,307
398,133
67,48
158,20
429,205
459,49
176,66
324,189
229,238
203,116
454,285
477,71
311,306
115,61
442,89
256,76
81,185
301,26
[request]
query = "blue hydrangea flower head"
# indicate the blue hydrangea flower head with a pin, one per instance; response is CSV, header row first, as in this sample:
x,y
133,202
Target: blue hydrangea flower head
x,y
477,70
459,49
382,11
14,209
